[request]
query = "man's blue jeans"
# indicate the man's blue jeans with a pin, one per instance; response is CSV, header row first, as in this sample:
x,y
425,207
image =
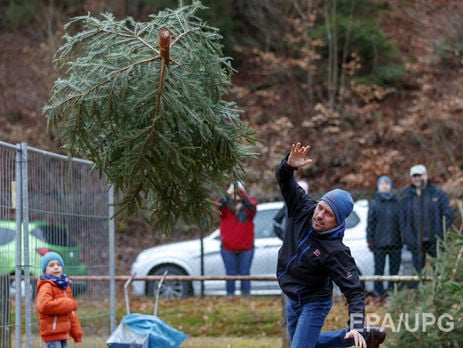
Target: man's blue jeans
x,y
305,323
419,261
237,263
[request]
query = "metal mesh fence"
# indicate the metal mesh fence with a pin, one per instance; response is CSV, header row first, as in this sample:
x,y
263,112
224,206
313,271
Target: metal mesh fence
x,y
183,259
65,207
62,206
74,203
7,238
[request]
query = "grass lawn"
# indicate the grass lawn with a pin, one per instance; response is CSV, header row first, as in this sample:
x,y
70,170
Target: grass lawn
x,y
255,321
220,322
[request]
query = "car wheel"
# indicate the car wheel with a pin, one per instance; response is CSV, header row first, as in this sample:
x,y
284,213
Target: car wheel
x,y
171,288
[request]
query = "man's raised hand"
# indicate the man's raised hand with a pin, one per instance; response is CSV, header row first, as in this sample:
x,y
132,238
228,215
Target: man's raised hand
x,y
297,156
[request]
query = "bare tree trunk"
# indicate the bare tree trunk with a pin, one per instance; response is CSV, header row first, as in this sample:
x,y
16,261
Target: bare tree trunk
x,y
331,33
342,83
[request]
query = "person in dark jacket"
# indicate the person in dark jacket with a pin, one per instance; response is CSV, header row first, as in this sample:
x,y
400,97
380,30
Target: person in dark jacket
x,y
237,211
280,220
383,231
425,216
312,257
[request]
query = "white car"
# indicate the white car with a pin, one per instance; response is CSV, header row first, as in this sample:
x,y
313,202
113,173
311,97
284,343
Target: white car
x,y
184,258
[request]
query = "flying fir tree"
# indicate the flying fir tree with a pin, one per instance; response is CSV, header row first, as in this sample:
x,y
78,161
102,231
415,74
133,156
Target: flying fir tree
x,y
145,102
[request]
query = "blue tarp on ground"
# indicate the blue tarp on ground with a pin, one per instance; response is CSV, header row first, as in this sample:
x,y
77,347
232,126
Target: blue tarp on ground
x,y
160,334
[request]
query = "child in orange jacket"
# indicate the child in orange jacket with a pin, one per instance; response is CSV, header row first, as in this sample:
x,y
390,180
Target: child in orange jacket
x,y
56,307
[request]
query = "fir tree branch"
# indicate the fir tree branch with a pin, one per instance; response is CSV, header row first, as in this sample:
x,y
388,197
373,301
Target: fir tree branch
x,y
110,78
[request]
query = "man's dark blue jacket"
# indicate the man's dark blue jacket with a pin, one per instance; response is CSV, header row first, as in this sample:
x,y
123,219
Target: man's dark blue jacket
x,y
437,217
309,261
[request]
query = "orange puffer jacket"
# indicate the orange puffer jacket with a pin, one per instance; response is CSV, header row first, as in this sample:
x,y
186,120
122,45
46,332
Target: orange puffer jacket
x,y
57,311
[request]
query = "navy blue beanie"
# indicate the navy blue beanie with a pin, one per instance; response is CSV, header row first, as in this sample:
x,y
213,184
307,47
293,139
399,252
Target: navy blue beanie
x,y
341,202
381,178
51,255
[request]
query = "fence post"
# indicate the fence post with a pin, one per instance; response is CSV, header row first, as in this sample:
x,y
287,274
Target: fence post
x,y
284,331
18,213
5,312
112,260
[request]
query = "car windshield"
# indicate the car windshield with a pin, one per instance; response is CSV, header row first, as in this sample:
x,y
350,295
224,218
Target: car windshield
x,y
56,235
263,223
352,220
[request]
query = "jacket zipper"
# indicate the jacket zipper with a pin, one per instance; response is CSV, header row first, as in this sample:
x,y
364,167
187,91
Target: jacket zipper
x,y
55,318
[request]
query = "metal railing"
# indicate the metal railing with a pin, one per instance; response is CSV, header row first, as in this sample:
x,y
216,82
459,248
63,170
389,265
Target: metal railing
x,y
53,202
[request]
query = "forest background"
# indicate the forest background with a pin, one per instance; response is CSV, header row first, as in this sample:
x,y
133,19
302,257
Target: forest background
x,y
373,86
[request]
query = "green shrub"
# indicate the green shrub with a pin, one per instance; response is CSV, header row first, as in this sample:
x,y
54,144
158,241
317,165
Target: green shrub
x,y
353,29
438,298
17,14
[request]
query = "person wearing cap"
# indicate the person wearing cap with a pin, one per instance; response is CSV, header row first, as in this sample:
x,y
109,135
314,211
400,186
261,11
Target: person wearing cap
x,y
383,232
425,216
56,307
312,257
237,210
280,220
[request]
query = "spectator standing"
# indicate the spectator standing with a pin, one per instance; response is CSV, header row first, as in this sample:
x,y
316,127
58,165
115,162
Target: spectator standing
x,y
383,232
237,211
280,221
425,216
312,257
56,307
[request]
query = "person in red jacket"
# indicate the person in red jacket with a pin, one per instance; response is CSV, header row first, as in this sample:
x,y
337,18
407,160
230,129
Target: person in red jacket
x,y
56,307
237,211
